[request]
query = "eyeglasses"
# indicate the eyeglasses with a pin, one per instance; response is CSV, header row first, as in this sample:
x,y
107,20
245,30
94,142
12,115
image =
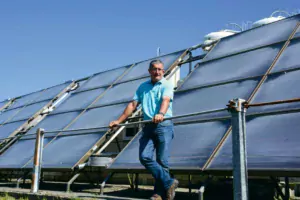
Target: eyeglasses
x,y
156,69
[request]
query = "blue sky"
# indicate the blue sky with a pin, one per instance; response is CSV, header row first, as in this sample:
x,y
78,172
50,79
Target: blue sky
x,y
44,43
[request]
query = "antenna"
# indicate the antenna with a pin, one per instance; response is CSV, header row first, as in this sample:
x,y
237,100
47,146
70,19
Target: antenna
x,y
158,51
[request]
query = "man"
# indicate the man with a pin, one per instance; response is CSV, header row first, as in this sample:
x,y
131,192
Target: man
x,y
155,97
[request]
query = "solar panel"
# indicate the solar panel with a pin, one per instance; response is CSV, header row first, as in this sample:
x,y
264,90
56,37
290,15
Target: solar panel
x,y
233,67
67,150
289,59
8,114
123,92
19,154
210,98
281,86
103,78
51,92
99,116
22,151
272,145
140,70
79,100
260,36
184,154
26,99
29,111
7,129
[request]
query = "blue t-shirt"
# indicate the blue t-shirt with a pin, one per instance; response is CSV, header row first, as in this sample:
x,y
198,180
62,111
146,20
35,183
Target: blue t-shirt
x,y
150,97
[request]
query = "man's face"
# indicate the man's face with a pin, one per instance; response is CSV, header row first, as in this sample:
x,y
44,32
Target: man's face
x,y
157,72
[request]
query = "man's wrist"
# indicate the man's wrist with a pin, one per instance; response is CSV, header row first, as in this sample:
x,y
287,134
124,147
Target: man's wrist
x,y
161,113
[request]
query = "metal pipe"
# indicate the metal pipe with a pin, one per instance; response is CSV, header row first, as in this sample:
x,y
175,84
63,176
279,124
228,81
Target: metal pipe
x,y
142,122
239,160
37,162
272,102
190,63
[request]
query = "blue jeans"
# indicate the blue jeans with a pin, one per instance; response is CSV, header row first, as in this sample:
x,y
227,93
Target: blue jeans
x,y
157,137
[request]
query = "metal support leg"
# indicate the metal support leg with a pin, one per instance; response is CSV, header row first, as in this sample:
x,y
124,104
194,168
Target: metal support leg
x,y
71,181
190,184
37,160
201,192
23,177
136,182
287,189
278,189
239,160
130,181
104,182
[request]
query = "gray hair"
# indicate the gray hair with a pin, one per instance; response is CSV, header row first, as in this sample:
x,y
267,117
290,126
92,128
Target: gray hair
x,y
153,62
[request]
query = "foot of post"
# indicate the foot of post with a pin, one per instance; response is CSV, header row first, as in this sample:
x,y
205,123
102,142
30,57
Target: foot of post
x,y
104,182
201,192
71,181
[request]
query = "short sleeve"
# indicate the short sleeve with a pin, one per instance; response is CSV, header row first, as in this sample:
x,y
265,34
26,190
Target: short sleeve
x,y
168,90
137,96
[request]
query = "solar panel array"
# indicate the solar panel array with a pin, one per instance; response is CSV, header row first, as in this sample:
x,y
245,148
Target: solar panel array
x,y
97,101
236,68
25,107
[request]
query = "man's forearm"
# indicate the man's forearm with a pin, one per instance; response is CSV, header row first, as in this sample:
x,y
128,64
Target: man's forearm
x,y
164,105
128,111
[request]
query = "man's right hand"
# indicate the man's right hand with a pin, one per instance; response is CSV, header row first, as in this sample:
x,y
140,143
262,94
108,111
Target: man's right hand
x,y
114,123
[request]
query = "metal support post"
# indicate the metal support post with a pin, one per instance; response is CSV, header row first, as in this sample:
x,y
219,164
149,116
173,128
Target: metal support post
x,y
190,184
201,192
37,160
190,64
287,189
104,182
136,182
71,181
239,160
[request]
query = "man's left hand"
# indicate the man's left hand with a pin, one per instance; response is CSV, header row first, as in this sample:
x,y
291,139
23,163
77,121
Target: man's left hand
x,y
158,118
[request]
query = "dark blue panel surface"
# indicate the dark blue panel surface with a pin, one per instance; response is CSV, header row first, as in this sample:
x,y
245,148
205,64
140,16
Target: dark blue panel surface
x,y
65,152
19,154
210,98
264,35
22,151
79,100
8,114
272,143
122,92
141,69
289,58
278,87
234,67
103,78
52,92
28,111
7,129
26,99
55,122
97,117
190,148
